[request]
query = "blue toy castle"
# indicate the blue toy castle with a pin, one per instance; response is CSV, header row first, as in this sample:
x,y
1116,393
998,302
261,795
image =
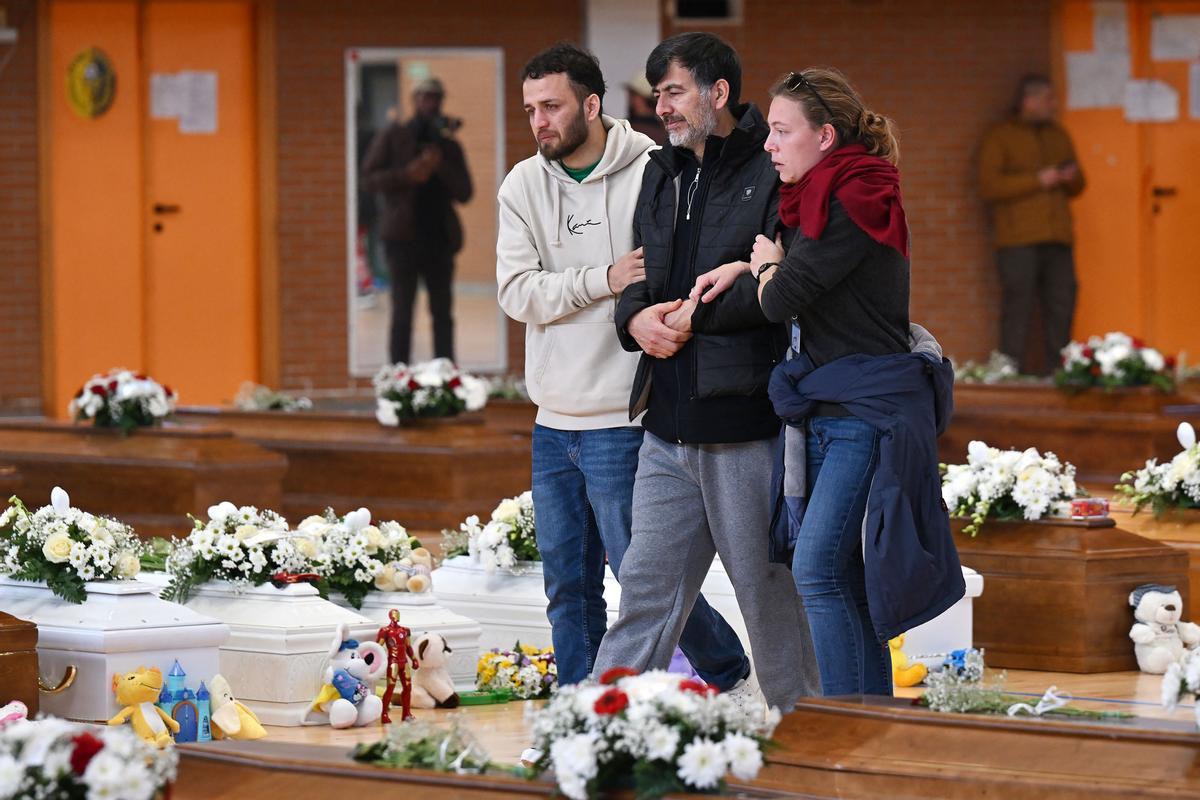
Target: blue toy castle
x,y
190,709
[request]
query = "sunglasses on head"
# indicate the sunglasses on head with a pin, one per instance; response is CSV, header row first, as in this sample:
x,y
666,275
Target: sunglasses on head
x,y
796,80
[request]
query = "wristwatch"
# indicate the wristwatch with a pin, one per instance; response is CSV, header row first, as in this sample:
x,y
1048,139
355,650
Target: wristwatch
x,y
763,268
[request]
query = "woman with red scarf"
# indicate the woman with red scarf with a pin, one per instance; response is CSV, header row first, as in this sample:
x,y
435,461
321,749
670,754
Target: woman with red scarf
x,y
843,285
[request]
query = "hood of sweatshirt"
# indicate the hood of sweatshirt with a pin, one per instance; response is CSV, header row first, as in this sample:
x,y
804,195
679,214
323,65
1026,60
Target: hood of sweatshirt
x,y
622,147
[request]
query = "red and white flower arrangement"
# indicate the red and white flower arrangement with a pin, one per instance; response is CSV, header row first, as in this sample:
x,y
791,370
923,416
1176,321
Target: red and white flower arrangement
x,y
653,731
122,399
434,388
53,758
1113,361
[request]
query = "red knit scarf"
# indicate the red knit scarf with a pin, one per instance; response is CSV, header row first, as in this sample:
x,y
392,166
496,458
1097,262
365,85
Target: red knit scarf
x,y
867,186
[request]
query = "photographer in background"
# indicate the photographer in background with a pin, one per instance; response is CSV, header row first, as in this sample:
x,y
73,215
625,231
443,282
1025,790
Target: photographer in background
x,y
421,172
1028,173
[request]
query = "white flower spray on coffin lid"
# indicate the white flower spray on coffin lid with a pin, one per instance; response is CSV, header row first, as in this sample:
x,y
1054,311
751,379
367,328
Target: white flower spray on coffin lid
x,y
1006,484
66,547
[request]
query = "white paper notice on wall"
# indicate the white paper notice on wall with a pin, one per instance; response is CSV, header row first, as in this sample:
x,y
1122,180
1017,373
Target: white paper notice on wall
x,y
166,96
1110,31
200,116
1175,37
1096,80
189,96
1151,101
1194,90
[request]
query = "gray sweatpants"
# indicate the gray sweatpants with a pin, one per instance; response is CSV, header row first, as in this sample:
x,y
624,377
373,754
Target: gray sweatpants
x,y
689,502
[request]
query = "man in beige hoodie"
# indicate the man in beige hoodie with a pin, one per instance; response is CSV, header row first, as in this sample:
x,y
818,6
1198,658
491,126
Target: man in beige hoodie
x,y
563,255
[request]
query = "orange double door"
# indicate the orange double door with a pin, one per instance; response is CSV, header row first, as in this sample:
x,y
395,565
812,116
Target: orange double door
x,y
151,208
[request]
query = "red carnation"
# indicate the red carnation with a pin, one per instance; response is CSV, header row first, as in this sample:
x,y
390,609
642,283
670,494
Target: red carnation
x,y
696,686
413,385
1088,352
1138,343
613,701
170,392
616,673
454,382
1095,370
99,390
86,746
112,386
140,376
1169,362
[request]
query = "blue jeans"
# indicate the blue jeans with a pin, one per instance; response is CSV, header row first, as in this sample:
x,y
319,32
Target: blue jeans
x,y
583,501
828,563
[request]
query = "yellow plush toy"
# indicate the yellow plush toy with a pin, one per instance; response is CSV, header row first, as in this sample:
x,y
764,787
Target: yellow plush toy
x,y
137,691
904,673
229,717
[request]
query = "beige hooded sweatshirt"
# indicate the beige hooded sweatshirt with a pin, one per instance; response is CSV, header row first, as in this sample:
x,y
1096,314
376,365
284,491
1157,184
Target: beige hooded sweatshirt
x,y
557,239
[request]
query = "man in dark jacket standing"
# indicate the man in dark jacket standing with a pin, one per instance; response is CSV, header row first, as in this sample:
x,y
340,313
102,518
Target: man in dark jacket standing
x,y
421,171
704,471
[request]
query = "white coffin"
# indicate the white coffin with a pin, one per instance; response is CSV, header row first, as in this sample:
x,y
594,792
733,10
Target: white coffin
x,y
929,643
123,625
278,645
510,606
422,613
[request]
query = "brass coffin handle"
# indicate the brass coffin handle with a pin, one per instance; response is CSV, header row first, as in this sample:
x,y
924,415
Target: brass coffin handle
x,y
67,681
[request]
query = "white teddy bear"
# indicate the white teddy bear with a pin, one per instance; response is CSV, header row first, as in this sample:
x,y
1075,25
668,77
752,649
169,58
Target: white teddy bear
x,y
1158,635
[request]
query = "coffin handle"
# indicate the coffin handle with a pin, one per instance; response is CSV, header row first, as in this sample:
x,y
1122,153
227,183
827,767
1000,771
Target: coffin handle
x,y
67,681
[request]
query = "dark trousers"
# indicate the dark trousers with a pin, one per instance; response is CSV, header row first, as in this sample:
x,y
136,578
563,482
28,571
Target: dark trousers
x,y
1043,274
433,264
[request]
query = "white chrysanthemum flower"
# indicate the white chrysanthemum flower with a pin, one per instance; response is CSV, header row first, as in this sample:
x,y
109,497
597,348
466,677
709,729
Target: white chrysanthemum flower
x,y
702,764
660,741
744,756
11,775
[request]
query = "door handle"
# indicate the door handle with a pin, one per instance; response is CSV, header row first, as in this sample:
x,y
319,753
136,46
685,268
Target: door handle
x,y
165,208
1163,191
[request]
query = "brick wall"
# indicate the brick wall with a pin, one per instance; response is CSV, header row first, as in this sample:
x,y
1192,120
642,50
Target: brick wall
x,y
312,37
20,299
944,71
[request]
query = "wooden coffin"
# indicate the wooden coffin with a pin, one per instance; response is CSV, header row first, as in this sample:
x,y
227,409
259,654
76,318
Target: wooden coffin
x,y
1101,433
18,662
10,481
1180,529
238,770
150,479
427,476
885,747
1057,596
511,416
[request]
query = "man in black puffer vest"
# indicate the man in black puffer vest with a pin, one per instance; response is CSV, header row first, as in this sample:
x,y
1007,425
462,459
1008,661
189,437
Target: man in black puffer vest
x,y
703,483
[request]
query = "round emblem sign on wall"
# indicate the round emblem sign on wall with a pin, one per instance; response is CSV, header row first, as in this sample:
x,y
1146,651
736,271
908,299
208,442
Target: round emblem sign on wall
x,y
91,83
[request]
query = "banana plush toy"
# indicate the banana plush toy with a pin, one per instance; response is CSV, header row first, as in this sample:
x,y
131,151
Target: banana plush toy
x,y
229,717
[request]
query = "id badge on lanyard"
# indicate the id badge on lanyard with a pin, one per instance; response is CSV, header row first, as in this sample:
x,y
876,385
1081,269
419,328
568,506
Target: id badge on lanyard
x,y
795,339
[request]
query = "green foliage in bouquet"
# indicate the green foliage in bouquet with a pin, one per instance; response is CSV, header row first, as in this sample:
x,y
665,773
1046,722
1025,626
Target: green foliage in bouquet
x,y
419,744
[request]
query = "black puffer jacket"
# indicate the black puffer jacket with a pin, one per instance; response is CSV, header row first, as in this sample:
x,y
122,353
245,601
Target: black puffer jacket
x,y
734,346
